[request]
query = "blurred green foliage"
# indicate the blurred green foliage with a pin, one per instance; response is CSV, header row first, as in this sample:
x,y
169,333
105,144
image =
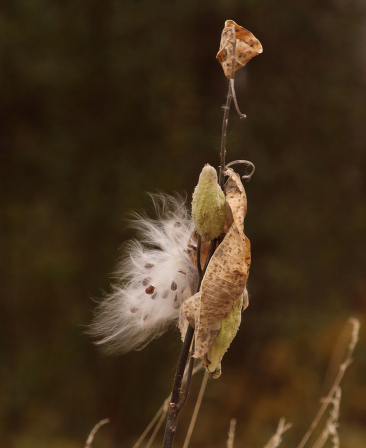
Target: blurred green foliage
x,y
102,101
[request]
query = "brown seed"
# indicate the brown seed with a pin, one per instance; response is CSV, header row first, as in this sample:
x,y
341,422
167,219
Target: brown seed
x,y
176,298
154,295
182,272
133,310
149,265
177,224
173,286
146,281
165,294
150,289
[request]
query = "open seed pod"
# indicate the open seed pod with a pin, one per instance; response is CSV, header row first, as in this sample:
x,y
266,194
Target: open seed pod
x,y
210,311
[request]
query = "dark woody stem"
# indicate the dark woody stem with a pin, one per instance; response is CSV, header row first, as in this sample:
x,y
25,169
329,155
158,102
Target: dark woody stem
x,y
175,405
226,113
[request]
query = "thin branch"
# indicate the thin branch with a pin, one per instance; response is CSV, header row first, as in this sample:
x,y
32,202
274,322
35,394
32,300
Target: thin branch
x,y
181,366
188,381
172,420
325,404
242,116
164,408
211,251
198,258
331,424
175,406
151,424
231,435
342,368
196,410
196,369
277,438
160,422
94,431
223,137
246,177
226,113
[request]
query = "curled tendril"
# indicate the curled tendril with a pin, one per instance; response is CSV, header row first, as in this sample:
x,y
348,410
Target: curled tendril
x,y
248,176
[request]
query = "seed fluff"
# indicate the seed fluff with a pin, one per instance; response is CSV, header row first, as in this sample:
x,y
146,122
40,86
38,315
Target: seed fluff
x,y
153,278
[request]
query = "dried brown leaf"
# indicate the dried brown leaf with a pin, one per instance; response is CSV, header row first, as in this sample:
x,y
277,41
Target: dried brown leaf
x,y
237,199
247,46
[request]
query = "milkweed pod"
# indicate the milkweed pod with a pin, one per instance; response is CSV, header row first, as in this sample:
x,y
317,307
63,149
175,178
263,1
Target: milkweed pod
x,y
228,330
208,205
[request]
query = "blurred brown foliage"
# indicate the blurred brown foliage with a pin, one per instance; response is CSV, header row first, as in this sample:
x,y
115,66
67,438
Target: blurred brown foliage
x,y
102,101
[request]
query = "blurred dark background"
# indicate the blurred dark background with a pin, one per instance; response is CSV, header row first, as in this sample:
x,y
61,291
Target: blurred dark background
x,y
102,101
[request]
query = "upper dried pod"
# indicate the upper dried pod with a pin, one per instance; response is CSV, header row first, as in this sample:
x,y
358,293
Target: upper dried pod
x,y
208,205
247,46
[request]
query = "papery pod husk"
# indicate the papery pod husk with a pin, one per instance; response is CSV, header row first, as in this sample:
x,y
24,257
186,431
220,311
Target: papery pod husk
x,y
229,328
226,275
247,46
208,205
188,313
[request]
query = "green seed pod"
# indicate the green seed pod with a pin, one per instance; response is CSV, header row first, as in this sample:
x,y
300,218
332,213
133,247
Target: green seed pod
x,y
228,330
208,205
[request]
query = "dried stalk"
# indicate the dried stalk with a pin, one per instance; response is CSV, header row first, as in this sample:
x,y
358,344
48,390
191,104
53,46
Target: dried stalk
x,y
196,410
160,422
277,438
175,406
332,423
90,439
343,367
226,113
162,412
235,100
231,434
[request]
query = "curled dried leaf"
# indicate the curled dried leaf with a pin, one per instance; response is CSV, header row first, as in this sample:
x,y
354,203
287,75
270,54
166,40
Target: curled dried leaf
x,y
237,199
247,46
